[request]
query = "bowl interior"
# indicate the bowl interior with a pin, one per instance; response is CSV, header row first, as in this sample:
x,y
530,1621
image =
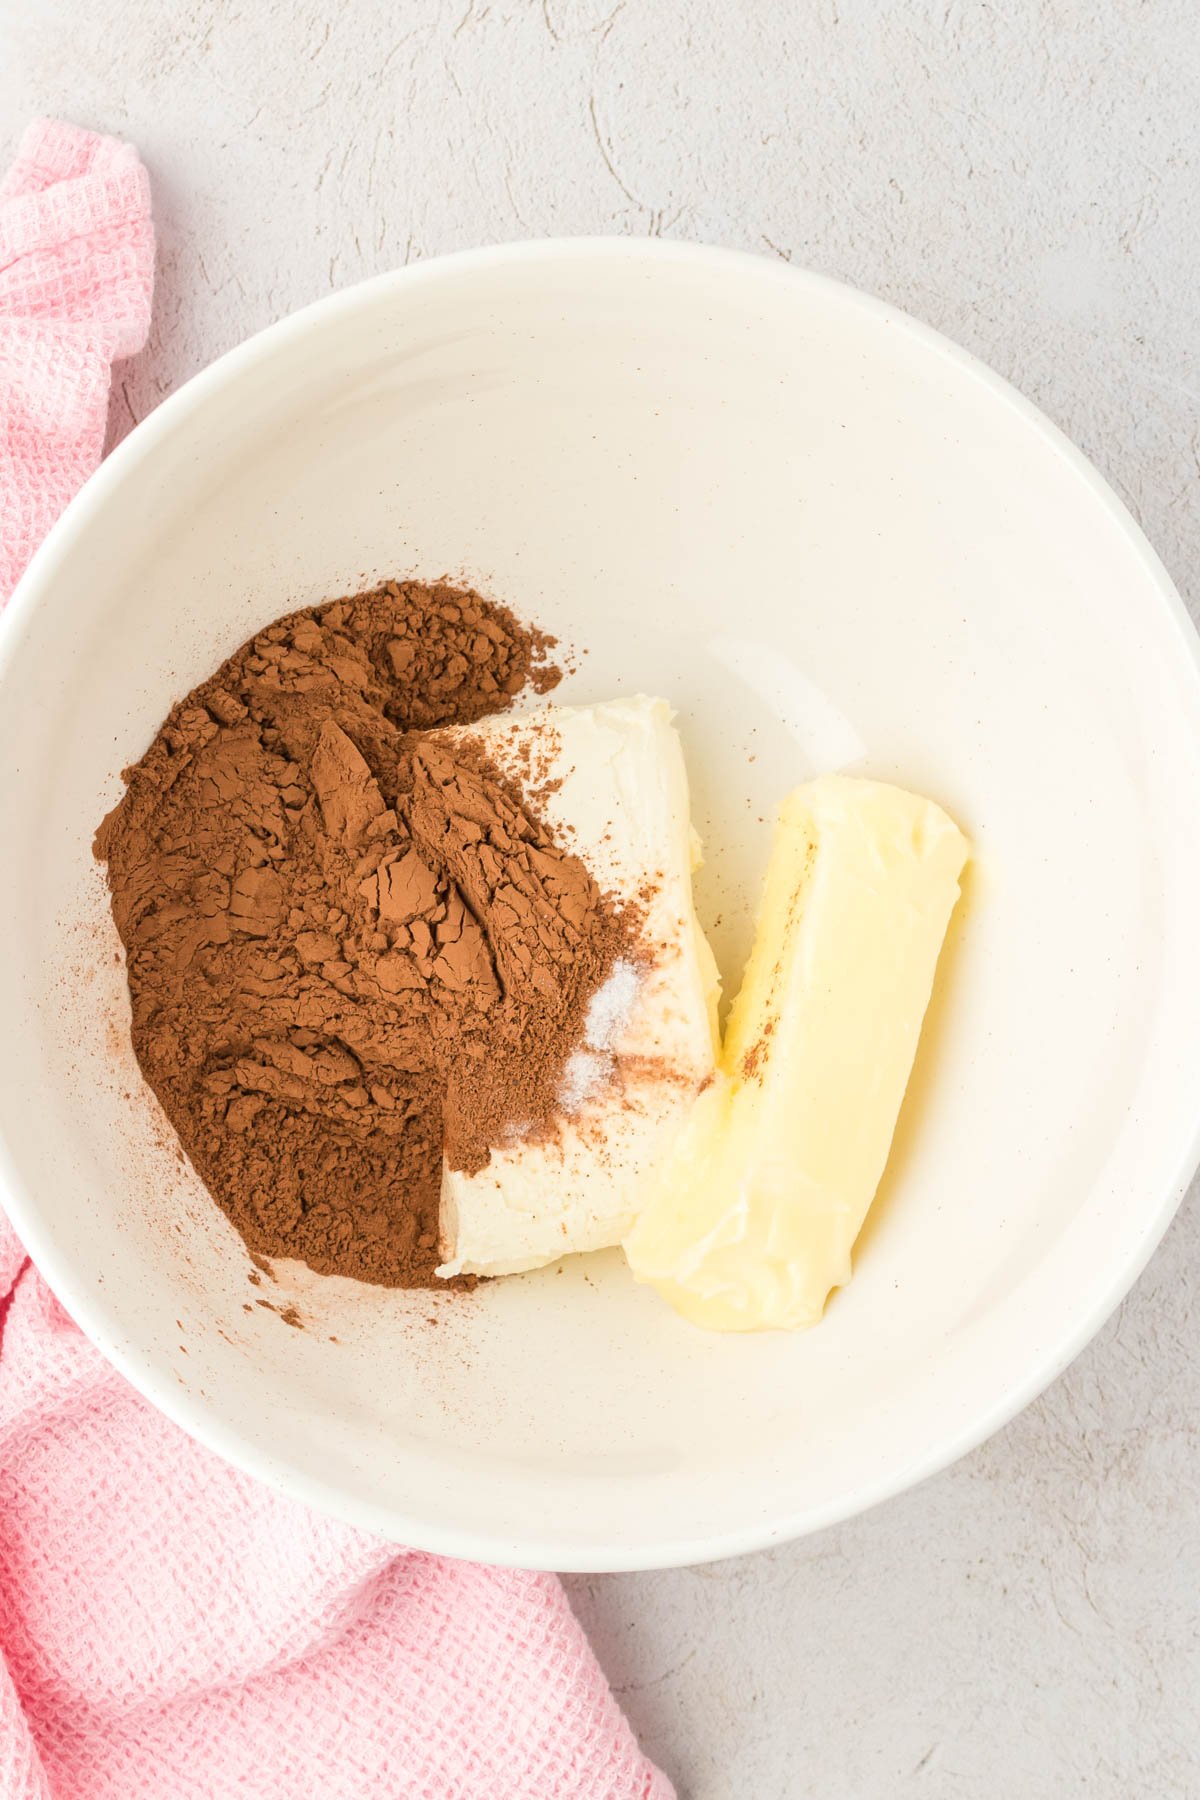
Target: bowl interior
x,y
832,542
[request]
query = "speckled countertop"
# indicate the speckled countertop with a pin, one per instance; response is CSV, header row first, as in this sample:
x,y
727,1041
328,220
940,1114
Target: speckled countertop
x,y
1022,174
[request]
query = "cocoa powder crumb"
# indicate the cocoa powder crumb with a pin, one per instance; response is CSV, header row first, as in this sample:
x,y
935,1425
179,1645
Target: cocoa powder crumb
x,y
353,945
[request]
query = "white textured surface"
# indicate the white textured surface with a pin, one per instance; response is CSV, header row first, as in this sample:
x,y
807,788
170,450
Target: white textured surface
x,y
1023,177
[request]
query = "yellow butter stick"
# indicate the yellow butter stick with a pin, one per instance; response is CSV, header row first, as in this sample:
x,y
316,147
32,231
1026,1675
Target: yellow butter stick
x,y
751,1219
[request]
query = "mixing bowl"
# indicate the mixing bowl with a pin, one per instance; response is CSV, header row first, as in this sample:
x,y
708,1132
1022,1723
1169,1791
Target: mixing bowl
x,y
833,541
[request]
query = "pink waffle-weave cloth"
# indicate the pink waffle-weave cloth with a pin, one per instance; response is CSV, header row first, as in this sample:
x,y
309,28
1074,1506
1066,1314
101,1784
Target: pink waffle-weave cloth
x,y
170,1629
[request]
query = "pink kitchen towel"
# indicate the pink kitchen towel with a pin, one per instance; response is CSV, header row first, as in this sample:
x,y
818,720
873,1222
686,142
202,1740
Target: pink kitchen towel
x,y
170,1629
76,271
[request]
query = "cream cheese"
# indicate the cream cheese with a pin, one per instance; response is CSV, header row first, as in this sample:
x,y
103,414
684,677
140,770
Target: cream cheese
x,y
611,782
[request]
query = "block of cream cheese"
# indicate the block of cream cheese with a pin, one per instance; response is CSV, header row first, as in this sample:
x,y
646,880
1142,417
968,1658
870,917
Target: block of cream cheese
x,y
752,1218
613,787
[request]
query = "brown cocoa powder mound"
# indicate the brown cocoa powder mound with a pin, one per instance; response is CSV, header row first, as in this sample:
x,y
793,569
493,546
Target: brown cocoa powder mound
x,y
352,944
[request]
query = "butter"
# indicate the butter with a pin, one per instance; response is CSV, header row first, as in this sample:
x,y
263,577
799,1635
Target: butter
x,y
753,1214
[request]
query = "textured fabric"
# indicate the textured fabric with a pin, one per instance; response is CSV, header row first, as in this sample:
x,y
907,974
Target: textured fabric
x,y
169,1629
76,269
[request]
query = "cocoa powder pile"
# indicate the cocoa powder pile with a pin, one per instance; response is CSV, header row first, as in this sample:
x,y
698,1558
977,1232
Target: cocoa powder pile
x,y
352,944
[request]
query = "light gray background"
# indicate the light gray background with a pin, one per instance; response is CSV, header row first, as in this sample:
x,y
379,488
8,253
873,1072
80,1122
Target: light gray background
x,y
1024,175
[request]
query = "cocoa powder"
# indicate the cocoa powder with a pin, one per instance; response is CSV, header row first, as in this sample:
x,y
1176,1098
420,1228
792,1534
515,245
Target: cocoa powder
x,y
353,945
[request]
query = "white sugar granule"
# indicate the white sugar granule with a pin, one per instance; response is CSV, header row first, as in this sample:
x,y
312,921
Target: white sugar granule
x,y
611,1005
586,1071
608,1014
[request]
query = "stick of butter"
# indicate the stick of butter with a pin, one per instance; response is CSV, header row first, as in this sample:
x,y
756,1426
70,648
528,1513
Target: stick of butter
x,y
753,1214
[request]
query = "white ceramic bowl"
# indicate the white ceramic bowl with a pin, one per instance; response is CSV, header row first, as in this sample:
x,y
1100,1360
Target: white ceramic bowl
x,y
834,541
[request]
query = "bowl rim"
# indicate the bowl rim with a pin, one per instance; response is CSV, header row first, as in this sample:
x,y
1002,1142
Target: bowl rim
x,y
87,1309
